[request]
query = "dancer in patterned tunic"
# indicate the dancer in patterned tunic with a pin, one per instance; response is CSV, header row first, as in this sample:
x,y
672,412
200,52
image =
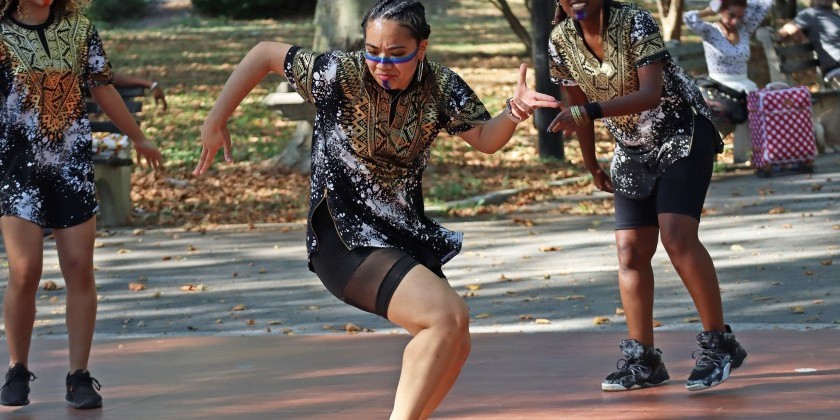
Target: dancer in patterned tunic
x,y
612,62
368,240
48,52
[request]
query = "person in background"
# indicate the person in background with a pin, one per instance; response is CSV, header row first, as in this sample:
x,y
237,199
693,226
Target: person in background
x,y
820,25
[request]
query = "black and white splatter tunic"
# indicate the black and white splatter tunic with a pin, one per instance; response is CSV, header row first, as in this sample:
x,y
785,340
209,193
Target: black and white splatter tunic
x,y
647,142
46,168
368,156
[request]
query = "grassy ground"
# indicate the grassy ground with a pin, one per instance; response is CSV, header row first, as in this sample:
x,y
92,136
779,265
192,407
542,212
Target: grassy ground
x,y
193,56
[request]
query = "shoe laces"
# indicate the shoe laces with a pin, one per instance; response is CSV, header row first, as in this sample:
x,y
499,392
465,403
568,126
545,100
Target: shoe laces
x,y
708,356
632,365
17,376
84,380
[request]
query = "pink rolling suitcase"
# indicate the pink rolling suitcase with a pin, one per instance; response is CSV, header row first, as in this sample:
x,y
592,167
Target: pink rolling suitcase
x,y
781,130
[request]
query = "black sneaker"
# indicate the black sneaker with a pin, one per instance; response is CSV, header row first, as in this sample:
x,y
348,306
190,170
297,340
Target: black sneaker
x,y
16,389
720,353
642,368
81,390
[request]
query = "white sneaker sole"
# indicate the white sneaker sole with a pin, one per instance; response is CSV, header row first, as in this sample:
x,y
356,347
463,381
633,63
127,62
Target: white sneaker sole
x,y
701,386
618,388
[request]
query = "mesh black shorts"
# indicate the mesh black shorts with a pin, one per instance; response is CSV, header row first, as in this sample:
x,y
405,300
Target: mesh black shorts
x,y
363,277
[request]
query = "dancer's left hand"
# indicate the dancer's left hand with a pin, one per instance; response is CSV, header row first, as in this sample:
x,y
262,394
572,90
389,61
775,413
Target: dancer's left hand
x,y
525,99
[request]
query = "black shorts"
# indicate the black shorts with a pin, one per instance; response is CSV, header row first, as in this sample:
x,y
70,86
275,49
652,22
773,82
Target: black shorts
x,y
680,190
363,277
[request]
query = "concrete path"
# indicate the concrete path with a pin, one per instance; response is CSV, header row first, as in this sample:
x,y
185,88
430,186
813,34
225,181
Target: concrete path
x,y
175,305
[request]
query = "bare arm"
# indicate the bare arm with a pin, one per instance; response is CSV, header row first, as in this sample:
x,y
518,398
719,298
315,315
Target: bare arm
x,y
112,103
494,134
124,80
790,31
647,97
264,58
586,140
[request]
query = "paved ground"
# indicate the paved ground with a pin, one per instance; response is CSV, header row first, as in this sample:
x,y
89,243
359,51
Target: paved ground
x,y
775,242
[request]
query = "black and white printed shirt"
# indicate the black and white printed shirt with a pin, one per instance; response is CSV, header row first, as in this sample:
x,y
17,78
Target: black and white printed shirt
x,y
367,158
722,56
647,142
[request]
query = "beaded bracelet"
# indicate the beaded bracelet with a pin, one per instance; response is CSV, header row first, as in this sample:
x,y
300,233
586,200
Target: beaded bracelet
x,y
509,111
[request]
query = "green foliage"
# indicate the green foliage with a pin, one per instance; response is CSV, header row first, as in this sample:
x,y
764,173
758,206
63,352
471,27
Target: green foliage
x,y
254,9
117,10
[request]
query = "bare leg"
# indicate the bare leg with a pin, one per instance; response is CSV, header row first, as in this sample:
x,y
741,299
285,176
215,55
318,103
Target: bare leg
x,y
694,265
438,318
75,255
24,242
635,279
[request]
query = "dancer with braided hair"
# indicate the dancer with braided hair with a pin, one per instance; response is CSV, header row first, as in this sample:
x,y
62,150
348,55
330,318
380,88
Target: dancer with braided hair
x,y
368,240
612,62
48,52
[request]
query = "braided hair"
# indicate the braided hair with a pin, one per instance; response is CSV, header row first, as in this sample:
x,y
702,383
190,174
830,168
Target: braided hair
x,y
409,14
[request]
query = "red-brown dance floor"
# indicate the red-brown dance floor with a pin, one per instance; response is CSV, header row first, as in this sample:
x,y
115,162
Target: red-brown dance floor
x,y
557,375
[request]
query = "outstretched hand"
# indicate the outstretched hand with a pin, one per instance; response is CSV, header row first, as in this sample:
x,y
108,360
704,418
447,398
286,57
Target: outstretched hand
x,y
213,138
526,99
563,121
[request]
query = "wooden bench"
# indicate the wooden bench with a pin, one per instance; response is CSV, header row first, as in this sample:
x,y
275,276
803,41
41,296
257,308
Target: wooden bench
x,y
112,173
785,60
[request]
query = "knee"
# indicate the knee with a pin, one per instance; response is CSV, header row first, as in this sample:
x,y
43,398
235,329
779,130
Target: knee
x,y
25,275
678,241
454,318
77,267
633,256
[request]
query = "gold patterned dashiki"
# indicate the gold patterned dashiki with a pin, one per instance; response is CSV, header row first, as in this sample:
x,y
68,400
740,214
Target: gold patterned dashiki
x,y
647,142
370,147
45,136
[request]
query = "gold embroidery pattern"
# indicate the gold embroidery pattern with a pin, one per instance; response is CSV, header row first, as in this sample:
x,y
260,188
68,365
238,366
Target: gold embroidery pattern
x,y
50,78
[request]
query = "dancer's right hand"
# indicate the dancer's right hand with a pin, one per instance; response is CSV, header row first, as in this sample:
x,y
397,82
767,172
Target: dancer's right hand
x,y
602,180
213,137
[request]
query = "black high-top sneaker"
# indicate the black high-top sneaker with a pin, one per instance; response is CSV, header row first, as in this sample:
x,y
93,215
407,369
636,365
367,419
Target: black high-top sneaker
x,y
16,389
642,368
720,353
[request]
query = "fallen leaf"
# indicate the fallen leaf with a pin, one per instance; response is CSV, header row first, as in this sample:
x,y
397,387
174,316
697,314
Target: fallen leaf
x,y
619,311
194,288
798,310
542,321
826,262
736,247
239,307
550,248
123,251
656,324
819,302
98,244
809,273
526,317
312,308
598,320
50,285
274,322
251,322
138,232
483,316
787,226
191,328
777,210
191,248
166,258
136,287
547,276
473,287
219,321
691,320
54,299
352,328
524,222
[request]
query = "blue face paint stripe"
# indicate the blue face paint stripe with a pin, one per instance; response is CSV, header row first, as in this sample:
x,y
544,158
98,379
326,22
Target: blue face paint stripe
x,y
381,59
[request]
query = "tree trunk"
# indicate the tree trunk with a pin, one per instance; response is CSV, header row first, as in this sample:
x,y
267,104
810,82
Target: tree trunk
x,y
338,24
550,145
515,24
670,14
